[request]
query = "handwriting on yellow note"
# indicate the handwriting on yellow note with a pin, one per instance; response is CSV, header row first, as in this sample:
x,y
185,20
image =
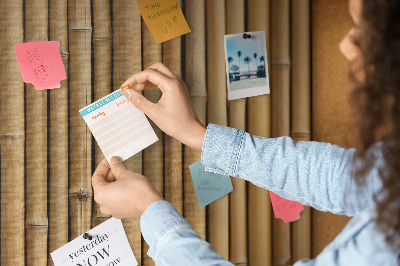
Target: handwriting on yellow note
x,y
164,18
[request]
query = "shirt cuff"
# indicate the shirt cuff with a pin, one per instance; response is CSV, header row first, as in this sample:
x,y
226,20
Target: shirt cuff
x,y
159,218
222,147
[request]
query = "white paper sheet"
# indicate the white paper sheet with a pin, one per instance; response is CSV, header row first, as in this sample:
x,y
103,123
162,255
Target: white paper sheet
x,y
118,126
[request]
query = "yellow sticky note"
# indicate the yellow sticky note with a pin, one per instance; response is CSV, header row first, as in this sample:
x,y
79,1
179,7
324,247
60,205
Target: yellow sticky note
x,y
164,18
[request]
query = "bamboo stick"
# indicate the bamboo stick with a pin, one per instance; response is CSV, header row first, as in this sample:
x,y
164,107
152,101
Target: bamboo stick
x,y
218,211
240,226
195,77
102,47
259,123
12,186
36,25
153,161
127,53
235,23
80,192
58,189
12,138
301,115
280,87
173,190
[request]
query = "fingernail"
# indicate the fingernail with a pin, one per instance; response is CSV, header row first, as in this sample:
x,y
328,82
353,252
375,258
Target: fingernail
x,y
115,160
129,92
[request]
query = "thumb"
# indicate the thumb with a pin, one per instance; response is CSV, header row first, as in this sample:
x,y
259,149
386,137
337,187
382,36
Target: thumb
x,y
116,166
138,100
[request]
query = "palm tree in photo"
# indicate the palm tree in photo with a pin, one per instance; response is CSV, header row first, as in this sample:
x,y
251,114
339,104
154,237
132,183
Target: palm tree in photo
x,y
247,60
255,60
262,59
239,54
230,60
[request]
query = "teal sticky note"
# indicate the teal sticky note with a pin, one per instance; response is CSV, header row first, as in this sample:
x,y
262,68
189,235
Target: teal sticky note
x,y
209,186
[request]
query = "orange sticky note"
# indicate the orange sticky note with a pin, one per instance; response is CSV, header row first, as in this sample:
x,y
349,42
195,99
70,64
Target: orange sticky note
x,y
41,63
164,18
284,209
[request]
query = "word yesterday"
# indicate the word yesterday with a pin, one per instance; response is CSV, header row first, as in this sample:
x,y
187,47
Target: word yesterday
x,y
89,246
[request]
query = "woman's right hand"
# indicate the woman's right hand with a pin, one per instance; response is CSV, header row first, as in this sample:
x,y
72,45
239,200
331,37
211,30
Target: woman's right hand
x,y
173,113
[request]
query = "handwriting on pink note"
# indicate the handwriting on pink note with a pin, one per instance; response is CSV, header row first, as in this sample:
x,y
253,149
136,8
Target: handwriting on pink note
x,y
41,63
284,209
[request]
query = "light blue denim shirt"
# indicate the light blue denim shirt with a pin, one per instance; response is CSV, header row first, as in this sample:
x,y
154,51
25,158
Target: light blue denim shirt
x,y
312,173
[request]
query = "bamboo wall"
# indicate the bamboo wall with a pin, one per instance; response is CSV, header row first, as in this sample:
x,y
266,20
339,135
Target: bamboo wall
x,y
47,153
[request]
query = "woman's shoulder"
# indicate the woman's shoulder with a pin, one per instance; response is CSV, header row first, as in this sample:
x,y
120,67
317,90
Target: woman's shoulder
x,y
362,238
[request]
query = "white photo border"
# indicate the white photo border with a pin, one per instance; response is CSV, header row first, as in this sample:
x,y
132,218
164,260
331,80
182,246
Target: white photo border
x,y
247,92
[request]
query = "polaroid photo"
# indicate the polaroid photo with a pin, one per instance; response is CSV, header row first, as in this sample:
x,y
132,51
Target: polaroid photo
x,y
246,64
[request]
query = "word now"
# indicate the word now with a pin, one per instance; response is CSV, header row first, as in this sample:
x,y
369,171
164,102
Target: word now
x,y
96,257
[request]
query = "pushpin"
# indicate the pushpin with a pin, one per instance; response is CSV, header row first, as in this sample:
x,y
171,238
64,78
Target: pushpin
x,y
88,236
246,36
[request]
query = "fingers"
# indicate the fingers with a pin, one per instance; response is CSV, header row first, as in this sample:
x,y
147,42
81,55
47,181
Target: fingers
x,y
160,67
143,86
110,177
140,102
157,78
99,176
117,167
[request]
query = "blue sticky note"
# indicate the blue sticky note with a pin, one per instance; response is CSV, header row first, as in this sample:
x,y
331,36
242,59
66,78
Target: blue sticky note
x,y
209,186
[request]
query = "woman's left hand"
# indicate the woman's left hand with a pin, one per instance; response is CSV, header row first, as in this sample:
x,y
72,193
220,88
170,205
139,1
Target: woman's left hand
x,y
126,197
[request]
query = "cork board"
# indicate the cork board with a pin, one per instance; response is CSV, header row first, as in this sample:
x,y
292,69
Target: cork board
x,y
330,97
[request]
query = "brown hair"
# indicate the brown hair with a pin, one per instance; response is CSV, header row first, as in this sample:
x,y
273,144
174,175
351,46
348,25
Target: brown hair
x,y
375,103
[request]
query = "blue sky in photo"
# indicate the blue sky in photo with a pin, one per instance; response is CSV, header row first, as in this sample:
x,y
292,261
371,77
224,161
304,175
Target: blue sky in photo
x,y
248,47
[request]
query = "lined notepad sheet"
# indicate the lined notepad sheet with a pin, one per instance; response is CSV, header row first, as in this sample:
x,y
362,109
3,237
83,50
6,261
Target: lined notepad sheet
x,y
118,126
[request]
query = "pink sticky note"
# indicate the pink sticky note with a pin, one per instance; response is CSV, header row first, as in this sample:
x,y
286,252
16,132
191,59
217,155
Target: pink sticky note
x,y
41,64
284,209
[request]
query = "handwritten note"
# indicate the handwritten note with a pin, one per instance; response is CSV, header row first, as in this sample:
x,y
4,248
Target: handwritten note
x,y
284,209
209,186
118,126
41,64
164,18
109,246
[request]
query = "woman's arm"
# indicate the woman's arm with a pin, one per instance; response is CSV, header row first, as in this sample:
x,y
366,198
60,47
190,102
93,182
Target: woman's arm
x,y
172,240
312,173
315,174
125,194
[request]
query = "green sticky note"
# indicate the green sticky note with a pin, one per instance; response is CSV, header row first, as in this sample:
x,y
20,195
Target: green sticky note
x,y
209,186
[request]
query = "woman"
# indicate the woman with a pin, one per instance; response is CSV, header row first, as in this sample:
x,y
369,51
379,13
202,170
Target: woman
x,y
362,182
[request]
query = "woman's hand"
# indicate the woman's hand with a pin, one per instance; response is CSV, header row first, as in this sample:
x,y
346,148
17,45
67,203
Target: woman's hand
x,y
174,113
128,196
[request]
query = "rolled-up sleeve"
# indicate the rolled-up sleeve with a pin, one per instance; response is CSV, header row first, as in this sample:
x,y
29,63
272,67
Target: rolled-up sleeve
x,y
172,240
316,174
